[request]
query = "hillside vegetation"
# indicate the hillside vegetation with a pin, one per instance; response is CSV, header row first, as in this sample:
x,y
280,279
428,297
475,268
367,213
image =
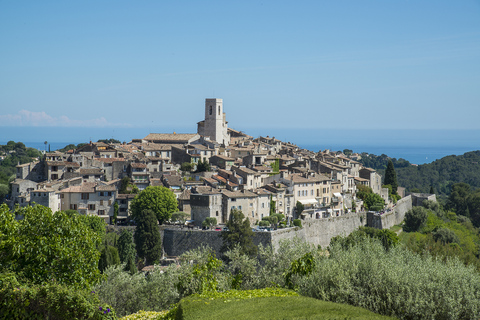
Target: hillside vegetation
x,y
440,174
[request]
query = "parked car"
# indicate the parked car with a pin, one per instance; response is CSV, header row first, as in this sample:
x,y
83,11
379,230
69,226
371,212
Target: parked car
x,y
218,229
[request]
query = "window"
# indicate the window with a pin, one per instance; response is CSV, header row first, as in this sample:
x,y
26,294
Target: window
x,y
109,202
299,193
91,207
251,204
218,110
101,202
101,212
311,192
263,205
85,196
73,206
239,207
253,214
216,213
210,112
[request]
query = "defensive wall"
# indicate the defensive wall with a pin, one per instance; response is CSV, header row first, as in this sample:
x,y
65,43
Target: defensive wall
x,y
389,219
314,231
317,232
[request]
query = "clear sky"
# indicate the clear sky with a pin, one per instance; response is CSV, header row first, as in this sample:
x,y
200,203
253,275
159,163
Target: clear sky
x,y
276,64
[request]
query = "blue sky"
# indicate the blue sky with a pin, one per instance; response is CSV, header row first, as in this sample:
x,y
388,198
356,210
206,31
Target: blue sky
x,y
276,64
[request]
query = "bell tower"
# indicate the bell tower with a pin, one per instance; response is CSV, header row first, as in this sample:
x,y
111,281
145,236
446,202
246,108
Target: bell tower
x,y
214,125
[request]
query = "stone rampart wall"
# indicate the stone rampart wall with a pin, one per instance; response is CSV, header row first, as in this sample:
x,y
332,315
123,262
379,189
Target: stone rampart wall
x,y
176,242
394,217
320,231
314,231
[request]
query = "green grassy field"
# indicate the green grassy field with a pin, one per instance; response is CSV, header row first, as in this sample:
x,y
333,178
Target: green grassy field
x,y
270,308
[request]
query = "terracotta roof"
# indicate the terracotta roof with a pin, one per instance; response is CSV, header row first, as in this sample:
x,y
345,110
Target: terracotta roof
x,y
185,195
138,165
91,171
156,146
239,194
105,188
299,178
110,160
86,187
170,136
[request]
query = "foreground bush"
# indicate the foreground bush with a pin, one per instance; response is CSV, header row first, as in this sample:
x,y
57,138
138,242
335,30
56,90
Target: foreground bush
x,y
396,282
49,301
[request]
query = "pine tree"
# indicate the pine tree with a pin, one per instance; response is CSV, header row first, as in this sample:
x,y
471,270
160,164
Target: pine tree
x,y
147,237
391,177
239,234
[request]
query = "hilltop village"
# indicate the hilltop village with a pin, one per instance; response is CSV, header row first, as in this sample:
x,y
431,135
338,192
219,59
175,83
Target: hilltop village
x,y
246,173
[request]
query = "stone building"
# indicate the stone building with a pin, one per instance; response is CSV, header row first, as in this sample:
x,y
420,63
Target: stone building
x,y
215,125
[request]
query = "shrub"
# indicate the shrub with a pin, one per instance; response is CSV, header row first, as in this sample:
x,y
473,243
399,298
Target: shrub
x,y
396,282
415,218
49,301
297,223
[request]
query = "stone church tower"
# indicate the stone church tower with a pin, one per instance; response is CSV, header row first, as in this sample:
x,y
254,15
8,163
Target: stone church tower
x,y
214,126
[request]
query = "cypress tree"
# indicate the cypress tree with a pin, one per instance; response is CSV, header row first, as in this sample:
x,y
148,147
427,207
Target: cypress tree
x,y
391,177
126,246
109,256
147,237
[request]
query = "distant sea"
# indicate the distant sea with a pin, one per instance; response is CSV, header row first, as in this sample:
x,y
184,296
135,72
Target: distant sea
x,y
416,146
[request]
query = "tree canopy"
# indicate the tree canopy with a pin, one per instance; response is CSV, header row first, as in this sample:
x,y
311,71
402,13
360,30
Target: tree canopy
x,y
391,177
147,237
239,234
160,200
44,246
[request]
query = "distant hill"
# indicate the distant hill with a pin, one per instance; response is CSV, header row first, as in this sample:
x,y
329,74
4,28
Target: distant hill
x,y
440,174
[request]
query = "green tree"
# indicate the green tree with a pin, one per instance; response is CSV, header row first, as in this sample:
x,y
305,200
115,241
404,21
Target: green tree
x,y
203,166
4,190
299,208
209,222
126,250
458,198
147,237
180,216
415,219
115,213
108,257
126,187
160,200
239,233
373,201
391,177
273,205
44,246
186,167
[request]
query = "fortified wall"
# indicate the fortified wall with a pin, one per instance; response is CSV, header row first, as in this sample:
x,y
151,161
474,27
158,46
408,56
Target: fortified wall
x,y
314,231
394,217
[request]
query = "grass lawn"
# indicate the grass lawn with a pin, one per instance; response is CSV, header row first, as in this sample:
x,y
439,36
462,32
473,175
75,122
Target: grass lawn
x,y
396,228
295,307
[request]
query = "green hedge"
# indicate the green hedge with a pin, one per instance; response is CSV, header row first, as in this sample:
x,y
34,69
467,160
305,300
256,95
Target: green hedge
x,y
50,301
